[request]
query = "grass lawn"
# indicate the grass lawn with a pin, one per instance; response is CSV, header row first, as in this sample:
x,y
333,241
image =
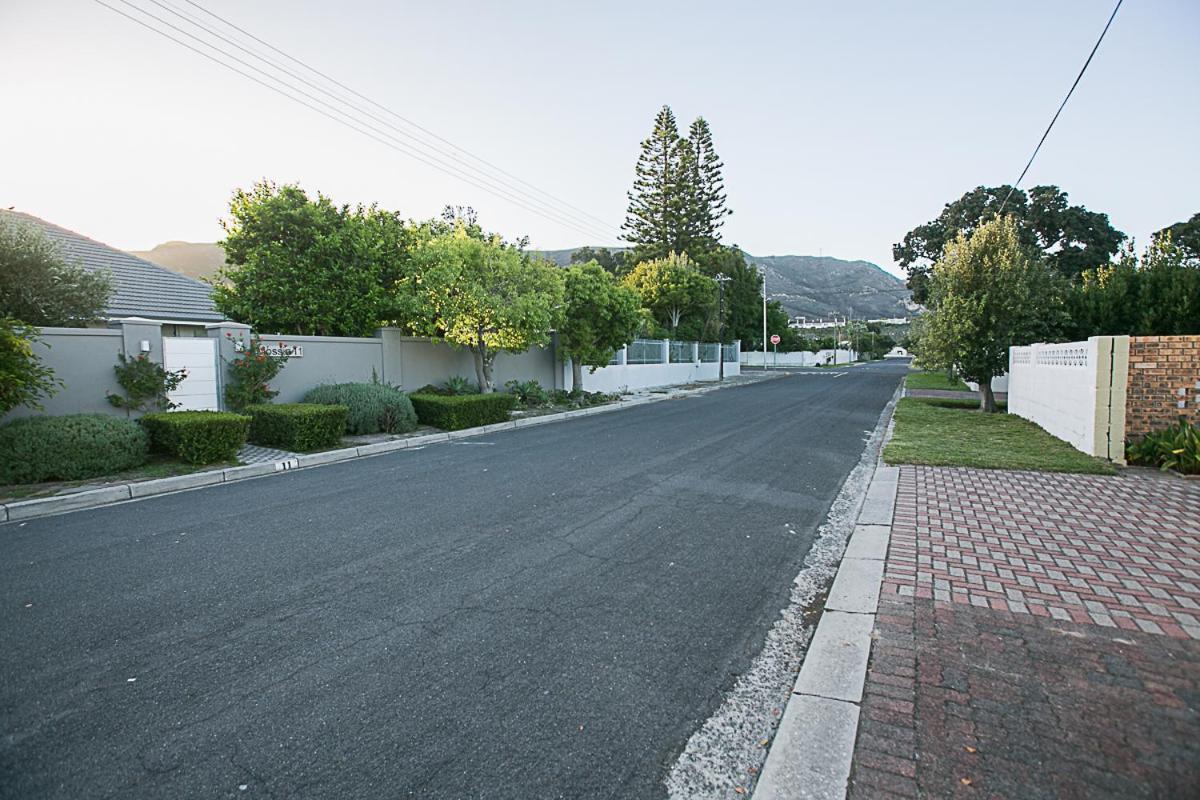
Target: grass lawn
x,y
951,433
934,380
156,467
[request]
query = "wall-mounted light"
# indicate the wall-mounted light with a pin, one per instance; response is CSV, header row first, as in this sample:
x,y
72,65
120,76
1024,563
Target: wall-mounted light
x,y
145,346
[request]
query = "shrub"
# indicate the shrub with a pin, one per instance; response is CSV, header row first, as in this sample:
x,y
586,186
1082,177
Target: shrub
x,y
374,407
297,426
198,437
24,379
1177,448
460,385
146,383
250,373
529,394
70,447
462,411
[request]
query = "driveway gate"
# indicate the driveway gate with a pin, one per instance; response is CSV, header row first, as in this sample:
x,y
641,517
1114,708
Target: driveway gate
x,y
198,355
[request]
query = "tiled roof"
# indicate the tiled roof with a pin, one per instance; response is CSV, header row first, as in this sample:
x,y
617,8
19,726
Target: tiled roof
x,y
141,288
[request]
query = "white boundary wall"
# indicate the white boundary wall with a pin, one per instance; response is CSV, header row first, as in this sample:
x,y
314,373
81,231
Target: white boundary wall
x,y
621,376
800,358
1075,390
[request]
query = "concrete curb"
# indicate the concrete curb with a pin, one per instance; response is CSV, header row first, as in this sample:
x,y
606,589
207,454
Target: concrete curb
x,y
813,748
60,504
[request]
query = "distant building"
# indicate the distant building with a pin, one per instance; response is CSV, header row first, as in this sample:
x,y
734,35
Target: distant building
x,y
897,352
140,289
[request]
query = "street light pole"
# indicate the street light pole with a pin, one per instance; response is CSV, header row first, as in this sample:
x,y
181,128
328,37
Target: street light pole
x,y
764,277
721,279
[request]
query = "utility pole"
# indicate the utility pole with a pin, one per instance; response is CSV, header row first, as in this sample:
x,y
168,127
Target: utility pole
x,y
764,277
721,279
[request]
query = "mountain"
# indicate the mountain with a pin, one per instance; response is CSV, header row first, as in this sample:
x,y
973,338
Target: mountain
x,y
819,286
806,286
194,259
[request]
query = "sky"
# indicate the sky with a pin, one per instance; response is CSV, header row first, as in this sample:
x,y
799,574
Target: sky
x,y
841,125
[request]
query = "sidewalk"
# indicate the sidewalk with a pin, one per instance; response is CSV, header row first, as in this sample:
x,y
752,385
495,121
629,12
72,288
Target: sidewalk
x,y
1037,635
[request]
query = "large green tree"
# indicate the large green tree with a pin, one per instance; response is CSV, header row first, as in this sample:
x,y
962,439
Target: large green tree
x,y
38,286
1071,238
613,261
677,203
674,291
1156,296
600,316
1186,236
484,295
989,291
307,266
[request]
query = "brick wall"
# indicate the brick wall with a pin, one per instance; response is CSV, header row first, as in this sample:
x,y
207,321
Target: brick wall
x,y
1164,373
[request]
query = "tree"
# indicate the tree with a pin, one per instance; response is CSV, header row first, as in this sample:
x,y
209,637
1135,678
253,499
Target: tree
x,y
303,266
600,316
39,287
1071,238
484,295
24,379
673,290
743,298
677,203
989,291
613,261
1185,234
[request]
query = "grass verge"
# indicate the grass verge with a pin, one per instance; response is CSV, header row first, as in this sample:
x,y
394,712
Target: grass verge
x,y
935,380
156,467
949,433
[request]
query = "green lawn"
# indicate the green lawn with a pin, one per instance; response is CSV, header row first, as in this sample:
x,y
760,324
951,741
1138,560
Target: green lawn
x,y
157,467
935,380
951,433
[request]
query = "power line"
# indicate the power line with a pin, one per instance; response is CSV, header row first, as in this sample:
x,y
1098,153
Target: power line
x,y
581,219
1061,106
398,116
341,117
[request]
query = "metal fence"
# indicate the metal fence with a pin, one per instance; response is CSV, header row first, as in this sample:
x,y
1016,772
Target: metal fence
x,y
644,351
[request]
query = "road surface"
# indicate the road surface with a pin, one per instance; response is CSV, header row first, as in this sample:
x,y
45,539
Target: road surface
x,y
544,612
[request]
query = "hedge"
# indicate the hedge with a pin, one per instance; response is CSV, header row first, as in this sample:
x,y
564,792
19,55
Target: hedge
x,y
297,426
374,407
69,448
197,437
452,413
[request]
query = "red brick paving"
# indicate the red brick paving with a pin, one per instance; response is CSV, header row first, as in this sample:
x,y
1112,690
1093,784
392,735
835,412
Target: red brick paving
x,y
1036,639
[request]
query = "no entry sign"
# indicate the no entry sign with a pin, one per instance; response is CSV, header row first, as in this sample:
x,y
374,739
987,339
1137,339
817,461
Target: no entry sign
x,y
774,338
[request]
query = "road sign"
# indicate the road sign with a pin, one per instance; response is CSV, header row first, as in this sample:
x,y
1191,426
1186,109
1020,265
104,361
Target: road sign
x,y
774,338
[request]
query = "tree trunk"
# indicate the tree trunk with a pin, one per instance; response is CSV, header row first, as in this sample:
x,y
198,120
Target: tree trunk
x,y
576,377
987,400
480,375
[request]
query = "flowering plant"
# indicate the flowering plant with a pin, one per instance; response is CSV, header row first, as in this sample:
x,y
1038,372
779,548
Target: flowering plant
x,y
250,373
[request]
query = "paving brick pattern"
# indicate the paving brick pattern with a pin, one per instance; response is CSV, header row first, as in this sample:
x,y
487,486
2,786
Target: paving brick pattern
x,y
975,692
253,454
1121,552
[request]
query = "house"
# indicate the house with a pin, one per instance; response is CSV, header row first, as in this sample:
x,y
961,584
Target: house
x,y
140,288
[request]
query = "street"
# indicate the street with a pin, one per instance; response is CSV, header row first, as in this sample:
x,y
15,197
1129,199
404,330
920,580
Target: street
x,y
544,612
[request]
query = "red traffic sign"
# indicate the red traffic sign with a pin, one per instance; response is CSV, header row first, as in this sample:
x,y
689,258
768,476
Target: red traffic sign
x,y
774,338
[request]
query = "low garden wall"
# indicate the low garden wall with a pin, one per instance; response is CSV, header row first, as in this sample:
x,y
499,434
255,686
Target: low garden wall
x,y
653,363
802,358
1163,384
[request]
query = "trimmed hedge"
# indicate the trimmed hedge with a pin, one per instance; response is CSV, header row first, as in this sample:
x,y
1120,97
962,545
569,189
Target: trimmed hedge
x,y
70,448
297,426
374,407
197,437
452,413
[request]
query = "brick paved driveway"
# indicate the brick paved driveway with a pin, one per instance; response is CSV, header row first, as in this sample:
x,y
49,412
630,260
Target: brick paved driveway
x,y
1038,636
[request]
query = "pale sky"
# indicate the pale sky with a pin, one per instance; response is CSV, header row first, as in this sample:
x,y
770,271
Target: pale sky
x,y
842,125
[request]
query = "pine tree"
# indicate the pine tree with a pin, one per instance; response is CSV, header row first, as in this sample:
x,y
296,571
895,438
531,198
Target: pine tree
x,y
650,222
708,186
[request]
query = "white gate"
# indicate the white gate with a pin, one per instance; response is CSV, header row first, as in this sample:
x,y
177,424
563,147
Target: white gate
x,y
197,355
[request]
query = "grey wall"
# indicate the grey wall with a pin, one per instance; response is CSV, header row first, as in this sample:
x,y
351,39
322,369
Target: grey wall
x,y
83,358
412,362
327,359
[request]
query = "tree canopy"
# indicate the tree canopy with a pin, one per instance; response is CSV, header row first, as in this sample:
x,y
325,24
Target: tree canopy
x,y
674,291
988,292
1186,236
481,294
613,261
1071,238
38,286
600,316
306,266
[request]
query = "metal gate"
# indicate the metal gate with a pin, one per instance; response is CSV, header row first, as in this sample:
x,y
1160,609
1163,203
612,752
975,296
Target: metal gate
x,y
197,355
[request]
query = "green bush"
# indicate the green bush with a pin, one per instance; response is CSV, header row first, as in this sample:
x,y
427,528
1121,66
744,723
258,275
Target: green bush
x,y
297,426
529,394
1177,448
462,411
374,407
460,385
197,437
71,447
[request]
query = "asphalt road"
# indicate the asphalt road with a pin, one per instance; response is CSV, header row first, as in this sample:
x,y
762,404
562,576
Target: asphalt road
x,y
547,612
